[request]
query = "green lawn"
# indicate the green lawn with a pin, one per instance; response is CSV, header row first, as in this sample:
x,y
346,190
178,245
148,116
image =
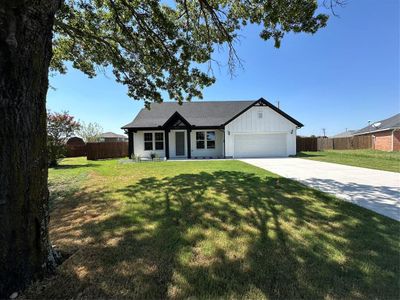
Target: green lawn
x,y
211,229
387,161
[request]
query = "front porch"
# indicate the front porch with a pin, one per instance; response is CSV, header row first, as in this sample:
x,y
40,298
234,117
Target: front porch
x,y
177,139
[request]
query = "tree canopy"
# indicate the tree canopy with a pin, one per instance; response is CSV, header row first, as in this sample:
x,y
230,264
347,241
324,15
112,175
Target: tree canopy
x,y
90,132
151,46
154,46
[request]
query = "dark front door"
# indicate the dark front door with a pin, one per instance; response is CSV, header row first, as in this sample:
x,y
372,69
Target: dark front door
x,y
180,143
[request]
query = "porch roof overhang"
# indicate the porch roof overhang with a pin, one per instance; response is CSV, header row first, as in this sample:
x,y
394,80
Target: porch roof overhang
x,y
176,121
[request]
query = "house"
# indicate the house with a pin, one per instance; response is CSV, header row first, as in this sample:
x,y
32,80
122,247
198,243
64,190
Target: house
x,y
112,137
344,134
218,129
385,133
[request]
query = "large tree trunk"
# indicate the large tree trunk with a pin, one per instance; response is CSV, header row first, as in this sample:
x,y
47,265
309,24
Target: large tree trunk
x,y
25,53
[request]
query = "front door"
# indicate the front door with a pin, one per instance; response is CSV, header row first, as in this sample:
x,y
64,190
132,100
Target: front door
x,y
179,143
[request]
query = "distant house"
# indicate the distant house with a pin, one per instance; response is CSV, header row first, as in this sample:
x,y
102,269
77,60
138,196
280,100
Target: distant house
x,y
113,137
214,129
385,133
344,134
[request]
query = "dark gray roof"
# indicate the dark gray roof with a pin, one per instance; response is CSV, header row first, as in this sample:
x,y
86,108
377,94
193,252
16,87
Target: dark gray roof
x,y
112,135
345,134
387,124
199,113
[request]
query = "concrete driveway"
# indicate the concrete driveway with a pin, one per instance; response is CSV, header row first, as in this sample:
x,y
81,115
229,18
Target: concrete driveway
x,y
373,189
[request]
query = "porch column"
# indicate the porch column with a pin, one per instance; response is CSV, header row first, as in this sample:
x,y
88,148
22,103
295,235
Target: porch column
x,y
224,144
130,144
166,134
189,151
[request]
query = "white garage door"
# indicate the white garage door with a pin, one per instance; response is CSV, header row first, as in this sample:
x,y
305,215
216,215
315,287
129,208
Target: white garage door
x,y
260,145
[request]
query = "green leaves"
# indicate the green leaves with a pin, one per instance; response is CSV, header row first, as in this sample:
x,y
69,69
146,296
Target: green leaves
x,y
154,46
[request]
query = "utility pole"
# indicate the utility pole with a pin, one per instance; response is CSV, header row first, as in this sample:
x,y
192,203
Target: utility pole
x,y
324,131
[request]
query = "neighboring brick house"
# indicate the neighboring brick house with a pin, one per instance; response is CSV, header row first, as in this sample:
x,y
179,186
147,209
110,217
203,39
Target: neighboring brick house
x,y
385,133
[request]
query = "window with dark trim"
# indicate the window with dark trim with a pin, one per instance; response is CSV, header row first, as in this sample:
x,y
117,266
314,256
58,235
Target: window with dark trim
x,y
148,141
200,140
205,140
210,139
159,141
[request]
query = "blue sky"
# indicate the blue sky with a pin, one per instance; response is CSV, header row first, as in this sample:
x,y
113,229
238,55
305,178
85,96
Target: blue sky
x,y
341,77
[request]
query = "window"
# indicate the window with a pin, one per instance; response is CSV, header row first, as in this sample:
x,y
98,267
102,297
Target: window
x,y
148,141
153,140
205,140
260,114
210,139
200,140
159,140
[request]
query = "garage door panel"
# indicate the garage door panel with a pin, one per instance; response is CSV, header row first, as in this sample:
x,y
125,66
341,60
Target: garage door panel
x,y
260,145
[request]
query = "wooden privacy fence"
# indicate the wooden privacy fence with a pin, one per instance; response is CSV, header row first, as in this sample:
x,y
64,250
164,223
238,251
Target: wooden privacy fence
x,y
76,150
306,144
356,142
76,147
324,144
347,143
106,150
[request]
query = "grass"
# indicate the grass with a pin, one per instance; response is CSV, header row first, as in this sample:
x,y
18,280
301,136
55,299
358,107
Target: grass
x,y
372,159
211,229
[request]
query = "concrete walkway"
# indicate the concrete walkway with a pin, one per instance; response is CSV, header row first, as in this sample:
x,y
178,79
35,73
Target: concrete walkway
x,y
373,189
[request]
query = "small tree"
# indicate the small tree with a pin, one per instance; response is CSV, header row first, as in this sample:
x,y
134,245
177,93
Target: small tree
x,y
90,132
60,127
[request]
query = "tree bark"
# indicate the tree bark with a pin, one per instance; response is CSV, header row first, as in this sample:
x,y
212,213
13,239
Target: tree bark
x,y
25,53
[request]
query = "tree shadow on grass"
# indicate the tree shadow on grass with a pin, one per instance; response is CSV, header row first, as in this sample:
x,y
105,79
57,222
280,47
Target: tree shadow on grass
x,y
228,234
66,167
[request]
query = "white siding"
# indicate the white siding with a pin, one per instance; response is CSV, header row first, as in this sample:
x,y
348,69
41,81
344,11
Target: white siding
x,y
250,123
138,145
218,152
